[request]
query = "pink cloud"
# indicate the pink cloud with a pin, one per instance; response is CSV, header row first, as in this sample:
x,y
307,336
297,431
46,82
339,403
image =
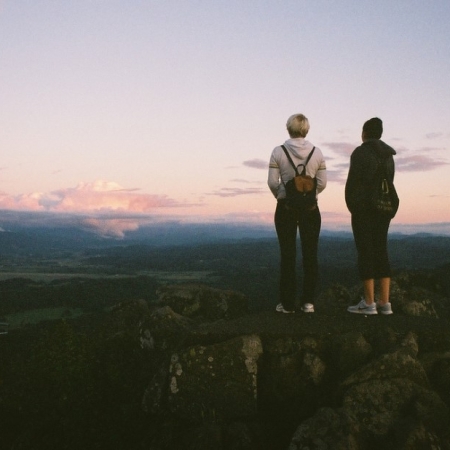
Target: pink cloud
x,y
102,206
23,202
99,196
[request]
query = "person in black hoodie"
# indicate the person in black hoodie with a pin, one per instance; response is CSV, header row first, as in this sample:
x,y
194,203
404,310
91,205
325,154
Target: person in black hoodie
x,y
370,229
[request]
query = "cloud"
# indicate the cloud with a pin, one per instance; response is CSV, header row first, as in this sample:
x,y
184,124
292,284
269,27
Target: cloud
x,y
256,164
234,192
418,163
242,180
112,226
434,135
102,206
414,163
337,176
99,196
341,148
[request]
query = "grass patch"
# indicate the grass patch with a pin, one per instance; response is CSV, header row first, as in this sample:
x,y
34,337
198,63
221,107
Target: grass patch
x,y
33,316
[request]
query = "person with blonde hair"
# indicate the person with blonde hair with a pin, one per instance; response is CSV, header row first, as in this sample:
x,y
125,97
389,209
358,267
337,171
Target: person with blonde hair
x,y
289,219
297,126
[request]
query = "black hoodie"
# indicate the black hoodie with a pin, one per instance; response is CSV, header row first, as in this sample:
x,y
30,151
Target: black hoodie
x,y
363,165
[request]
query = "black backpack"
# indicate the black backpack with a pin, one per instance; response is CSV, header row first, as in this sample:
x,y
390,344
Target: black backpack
x,y
383,198
301,190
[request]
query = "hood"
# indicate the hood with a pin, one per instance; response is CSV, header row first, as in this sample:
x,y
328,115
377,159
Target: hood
x,y
383,150
299,147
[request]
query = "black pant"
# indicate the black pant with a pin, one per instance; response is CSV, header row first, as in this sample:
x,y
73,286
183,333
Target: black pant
x,y
287,221
370,231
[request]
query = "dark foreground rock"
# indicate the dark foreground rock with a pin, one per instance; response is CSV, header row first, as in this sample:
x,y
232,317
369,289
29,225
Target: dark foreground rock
x,y
329,380
195,371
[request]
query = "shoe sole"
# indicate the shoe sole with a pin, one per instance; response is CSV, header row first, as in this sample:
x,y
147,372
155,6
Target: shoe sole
x,y
385,312
363,311
283,311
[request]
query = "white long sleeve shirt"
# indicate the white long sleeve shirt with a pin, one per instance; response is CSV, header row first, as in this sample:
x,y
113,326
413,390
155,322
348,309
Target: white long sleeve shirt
x,y
281,170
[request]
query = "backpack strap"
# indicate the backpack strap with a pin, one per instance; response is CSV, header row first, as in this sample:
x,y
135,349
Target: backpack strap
x,y
382,164
292,162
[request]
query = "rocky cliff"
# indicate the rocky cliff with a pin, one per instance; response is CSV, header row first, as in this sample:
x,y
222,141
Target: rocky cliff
x,y
211,376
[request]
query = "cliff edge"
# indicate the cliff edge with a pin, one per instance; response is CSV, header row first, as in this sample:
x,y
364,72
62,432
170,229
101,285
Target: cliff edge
x,y
195,370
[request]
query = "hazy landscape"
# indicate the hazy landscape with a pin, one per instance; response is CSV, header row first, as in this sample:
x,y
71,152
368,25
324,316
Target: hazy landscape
x,y
56,273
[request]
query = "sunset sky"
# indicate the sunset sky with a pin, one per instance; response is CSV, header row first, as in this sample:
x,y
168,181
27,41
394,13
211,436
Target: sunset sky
x,y
115,114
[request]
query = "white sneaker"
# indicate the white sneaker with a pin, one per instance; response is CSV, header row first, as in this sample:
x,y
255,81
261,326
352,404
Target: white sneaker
x,y
308,308
280,309
385,309
363,308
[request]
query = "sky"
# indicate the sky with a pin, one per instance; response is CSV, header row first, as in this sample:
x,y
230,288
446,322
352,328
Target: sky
x,y
115,114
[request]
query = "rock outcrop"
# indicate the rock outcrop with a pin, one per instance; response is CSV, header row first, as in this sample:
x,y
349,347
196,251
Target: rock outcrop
x,y
196,371
325,381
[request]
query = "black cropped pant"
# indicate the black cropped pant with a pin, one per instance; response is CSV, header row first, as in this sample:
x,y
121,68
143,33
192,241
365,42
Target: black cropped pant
x,y
287,221
370,231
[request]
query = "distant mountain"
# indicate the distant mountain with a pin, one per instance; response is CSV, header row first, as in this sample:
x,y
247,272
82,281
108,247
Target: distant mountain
x,y
46,240
181,234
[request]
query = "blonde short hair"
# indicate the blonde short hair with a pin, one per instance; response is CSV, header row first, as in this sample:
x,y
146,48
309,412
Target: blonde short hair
x,y
297,126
